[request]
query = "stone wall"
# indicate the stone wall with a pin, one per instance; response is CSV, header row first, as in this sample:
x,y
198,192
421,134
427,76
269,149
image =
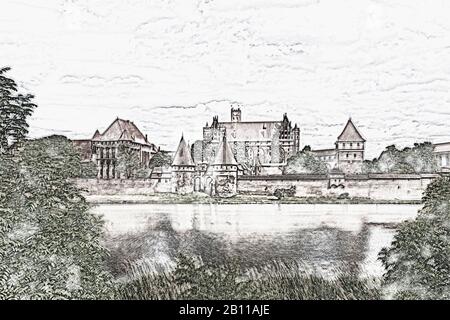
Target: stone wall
x,y
123,186
306,185
377,187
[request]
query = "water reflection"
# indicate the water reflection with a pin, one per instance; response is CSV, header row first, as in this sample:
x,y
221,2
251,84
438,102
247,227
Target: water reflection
x,y
321,237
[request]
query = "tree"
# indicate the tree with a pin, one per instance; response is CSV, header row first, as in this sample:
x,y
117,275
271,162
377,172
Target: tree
x,y
15,108
417,263
418,159
305,162
49,241
88,170
128,163
160,159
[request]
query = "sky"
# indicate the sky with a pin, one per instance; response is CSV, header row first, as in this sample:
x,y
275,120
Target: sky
x,y
171,65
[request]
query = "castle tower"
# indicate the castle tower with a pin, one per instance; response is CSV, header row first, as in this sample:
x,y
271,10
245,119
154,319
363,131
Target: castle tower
x,y
225,170
236,114
296,138
183,169
350,149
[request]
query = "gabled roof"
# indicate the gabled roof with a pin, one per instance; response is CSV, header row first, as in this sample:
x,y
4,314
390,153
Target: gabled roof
x,y
183,155
224,154
121,130
97,135
350,133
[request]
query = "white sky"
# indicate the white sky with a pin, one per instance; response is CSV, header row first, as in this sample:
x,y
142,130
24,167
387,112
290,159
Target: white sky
x,y
170,65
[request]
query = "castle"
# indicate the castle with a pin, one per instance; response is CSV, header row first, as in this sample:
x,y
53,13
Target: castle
x,y
237,156
219,177
104,148
232,150
256,145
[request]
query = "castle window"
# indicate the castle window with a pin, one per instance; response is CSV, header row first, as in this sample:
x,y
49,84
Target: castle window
x,y
357,144
351,144
343,145
346,155
354,155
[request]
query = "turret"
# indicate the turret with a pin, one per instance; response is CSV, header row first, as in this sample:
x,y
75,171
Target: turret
x,y
183,169
350,147
236,114
224,169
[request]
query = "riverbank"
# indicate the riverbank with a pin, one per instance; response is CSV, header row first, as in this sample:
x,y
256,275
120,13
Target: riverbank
x,y
199,198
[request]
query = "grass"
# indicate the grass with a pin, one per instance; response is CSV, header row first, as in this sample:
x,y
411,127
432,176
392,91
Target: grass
x,y
192,279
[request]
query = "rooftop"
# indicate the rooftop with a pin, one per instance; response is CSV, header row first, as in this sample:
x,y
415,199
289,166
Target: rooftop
x,y
350,133
124,130
224,154
183,155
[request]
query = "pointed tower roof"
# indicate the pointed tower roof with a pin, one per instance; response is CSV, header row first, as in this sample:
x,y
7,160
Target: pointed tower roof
x,y
97,135
183,155
224,154
350,133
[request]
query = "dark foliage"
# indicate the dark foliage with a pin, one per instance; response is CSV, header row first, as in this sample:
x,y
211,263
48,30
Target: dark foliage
x,y
418,159
284,192
128,163
50,243
305,162
15,108
418,261
192,279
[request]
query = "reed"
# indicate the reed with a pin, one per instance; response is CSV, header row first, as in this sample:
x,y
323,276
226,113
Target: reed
x,y
190,278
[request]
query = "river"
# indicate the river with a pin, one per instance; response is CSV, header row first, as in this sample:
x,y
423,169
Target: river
x,y
322,237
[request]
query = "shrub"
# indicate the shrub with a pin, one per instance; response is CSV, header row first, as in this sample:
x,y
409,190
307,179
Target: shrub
x,y
284,192
305,162
50,242
418,261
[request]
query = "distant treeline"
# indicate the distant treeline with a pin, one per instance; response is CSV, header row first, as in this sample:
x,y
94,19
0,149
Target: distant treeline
x,y
417,159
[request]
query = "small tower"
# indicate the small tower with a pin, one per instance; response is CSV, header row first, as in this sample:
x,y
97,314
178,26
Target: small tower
x,y
183,169
235,114
350,147
224,170
296,133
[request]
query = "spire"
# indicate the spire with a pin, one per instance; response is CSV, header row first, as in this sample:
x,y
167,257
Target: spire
x,y
350,133
224,154
183,155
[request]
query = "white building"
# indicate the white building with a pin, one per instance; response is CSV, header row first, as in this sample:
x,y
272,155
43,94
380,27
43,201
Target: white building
x,y
442,152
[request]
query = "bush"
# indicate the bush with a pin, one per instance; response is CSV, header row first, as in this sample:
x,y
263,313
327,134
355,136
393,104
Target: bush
x,y
88,170
283,192
50,242
305,162
344,195
418,261
418,159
